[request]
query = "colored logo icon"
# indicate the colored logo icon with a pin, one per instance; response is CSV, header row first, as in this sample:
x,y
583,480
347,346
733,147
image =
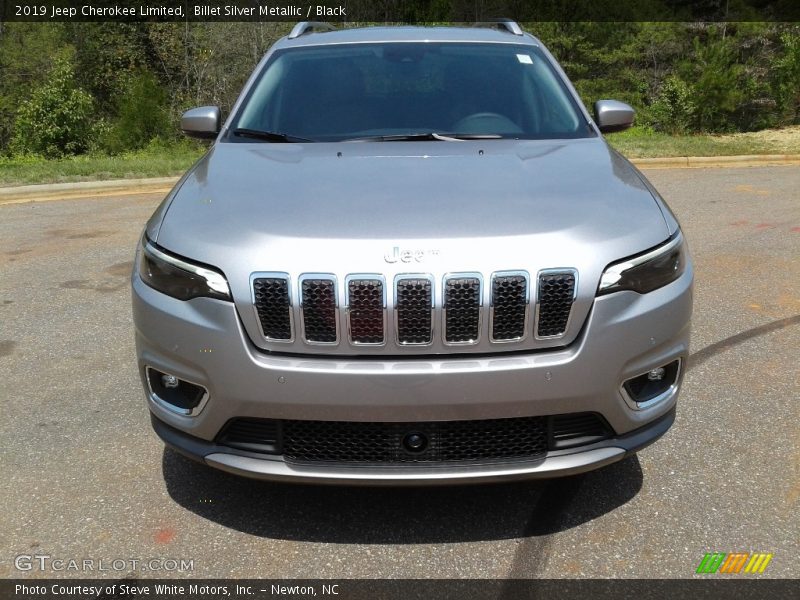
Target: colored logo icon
x,y
734,562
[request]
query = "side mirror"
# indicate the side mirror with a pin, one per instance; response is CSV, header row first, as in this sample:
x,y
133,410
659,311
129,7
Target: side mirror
x,y
613,115
202,122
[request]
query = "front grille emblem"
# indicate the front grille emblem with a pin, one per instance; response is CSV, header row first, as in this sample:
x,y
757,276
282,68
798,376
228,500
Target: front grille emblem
x,y
408,255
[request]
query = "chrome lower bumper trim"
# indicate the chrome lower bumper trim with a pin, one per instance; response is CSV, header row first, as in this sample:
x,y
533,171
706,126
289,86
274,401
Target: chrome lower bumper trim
x,y
549,467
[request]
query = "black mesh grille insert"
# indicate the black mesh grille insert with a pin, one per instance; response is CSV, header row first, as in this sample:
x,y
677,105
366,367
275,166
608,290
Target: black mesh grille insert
x,y
509,301
556,293
319,310
448,441
272,305
254,435
365,298
414,302
577,429
462,301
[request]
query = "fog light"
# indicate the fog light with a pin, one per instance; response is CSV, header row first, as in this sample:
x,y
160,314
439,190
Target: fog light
x,y
170,381
175,394
651,387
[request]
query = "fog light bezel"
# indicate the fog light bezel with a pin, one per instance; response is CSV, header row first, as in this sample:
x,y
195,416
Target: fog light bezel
x,y
659,398
166,405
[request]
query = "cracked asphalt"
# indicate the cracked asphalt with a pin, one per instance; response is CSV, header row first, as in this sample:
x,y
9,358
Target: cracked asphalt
x,y
84,477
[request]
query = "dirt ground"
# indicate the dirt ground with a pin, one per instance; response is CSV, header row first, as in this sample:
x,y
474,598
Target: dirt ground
x,y
786,140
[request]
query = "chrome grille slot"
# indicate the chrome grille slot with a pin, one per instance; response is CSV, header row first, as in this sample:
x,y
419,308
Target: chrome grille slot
x,y
273,306
509,312
413,310
366,306
462,309
554,302
319,309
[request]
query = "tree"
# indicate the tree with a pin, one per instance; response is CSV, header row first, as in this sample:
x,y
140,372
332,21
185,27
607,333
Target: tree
x,y
786,77
57,120
142,115
26,57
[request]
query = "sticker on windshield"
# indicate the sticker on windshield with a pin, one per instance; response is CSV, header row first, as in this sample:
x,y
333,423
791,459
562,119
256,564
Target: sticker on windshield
x,y
525,59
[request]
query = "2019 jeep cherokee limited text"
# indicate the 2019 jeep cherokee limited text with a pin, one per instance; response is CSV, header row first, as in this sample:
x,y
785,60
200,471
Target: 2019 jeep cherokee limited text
x,y
410,256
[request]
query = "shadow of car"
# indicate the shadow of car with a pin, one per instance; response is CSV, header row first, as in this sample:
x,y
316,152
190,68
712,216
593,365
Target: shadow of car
x,y
405,515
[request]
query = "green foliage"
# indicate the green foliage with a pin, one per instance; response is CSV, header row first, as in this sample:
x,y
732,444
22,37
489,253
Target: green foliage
x,y
607,60
674,109
786,78
26,57
57,120
141,115
684,77
208,63
107,55
716,77
155,160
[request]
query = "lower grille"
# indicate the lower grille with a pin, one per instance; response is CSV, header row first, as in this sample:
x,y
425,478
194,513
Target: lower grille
x,y
253,435
467,442
376,443
567,431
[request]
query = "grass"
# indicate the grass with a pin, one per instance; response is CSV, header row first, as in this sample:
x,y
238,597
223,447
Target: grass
x,y
644,143
156,161
162,161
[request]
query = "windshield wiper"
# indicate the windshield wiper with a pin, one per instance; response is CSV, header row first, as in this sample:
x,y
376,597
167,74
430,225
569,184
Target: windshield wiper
x,y
269,136
426,137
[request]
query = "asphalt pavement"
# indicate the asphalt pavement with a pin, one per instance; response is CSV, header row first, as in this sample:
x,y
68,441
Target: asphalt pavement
x,y
84,477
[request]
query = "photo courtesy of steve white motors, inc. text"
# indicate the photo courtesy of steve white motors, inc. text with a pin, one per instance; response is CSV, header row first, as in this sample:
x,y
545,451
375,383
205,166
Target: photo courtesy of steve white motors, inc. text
x,y
265,11
136,589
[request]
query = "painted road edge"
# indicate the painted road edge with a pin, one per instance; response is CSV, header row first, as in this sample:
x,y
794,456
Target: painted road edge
x,y
128,187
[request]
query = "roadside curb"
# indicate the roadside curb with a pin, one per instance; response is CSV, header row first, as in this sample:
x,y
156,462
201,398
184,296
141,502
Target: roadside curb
x,y
697,162
127,187
85,189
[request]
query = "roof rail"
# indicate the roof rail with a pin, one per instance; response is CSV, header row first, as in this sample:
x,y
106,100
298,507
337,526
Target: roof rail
x,y
307,26
509,25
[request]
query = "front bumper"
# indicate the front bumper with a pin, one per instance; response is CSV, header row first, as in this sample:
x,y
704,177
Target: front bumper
x,y
203,341
554,464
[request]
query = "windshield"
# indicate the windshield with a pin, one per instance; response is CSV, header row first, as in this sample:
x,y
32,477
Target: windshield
x,y
391,90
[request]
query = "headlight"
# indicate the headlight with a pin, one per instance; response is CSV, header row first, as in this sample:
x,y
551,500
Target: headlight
x,y
648,271
178,278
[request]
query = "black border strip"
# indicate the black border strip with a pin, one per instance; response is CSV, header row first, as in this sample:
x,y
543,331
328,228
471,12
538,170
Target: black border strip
x,y
460,11
742,587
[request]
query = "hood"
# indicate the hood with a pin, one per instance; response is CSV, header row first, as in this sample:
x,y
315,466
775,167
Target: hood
x,y
268,194
395,208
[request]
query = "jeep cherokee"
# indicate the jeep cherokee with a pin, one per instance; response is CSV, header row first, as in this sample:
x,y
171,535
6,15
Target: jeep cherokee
x,y
409,256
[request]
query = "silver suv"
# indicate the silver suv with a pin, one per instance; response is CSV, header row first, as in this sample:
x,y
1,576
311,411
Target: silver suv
x,y
410,256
